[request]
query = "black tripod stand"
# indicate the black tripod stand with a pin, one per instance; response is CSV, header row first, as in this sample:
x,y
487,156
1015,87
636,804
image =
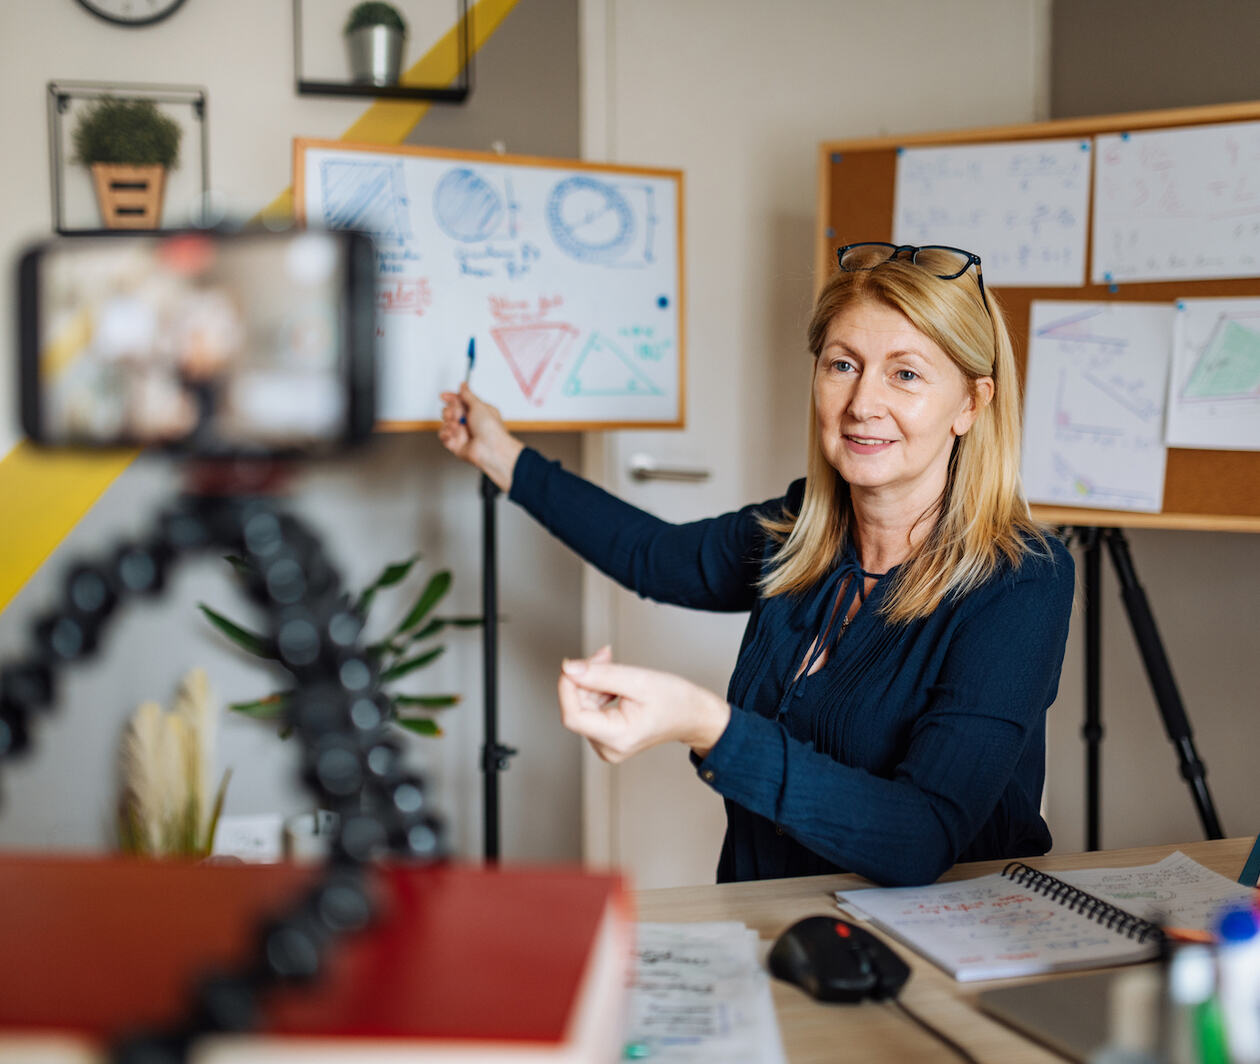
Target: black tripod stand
x,y
1155,659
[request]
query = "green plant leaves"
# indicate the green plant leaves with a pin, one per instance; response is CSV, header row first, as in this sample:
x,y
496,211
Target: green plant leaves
x,y
439,584
245,639
394,672
389,653
394,573
421,726
427,701
269,708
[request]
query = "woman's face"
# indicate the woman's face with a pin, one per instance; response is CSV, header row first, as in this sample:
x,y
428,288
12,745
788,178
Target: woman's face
x,y
889,403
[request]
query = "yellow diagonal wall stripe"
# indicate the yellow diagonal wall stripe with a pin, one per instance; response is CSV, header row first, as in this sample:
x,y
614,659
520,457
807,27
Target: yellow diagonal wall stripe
x,y
45,494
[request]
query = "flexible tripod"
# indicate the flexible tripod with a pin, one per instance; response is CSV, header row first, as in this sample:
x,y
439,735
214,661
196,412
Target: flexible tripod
x,y
1158,672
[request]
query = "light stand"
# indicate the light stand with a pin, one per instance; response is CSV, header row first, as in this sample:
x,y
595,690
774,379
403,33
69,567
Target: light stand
x,y
494,755
1158,672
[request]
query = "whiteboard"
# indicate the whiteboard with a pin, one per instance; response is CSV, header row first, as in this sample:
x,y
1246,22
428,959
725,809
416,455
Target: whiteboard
x,y
566,277
1178,204
1022,207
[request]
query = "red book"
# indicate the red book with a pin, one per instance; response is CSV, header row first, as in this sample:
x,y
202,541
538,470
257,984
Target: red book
x,y
464,963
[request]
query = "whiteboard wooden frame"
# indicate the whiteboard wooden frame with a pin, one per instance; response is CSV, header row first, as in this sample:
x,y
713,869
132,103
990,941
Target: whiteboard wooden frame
x,y
866,213
302,145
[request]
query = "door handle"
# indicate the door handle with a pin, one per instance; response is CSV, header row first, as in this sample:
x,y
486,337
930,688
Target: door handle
x,y
645,467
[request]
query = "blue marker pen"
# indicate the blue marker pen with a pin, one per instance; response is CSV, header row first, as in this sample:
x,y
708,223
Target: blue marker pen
x,y
472,357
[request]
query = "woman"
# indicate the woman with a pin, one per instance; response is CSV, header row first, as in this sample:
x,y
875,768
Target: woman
x,y
886,714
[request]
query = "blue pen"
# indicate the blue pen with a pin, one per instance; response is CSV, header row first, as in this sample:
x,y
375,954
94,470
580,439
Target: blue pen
x,y
472,357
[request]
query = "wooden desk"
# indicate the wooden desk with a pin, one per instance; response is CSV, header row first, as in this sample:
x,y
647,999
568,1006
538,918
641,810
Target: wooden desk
x,y
872,1031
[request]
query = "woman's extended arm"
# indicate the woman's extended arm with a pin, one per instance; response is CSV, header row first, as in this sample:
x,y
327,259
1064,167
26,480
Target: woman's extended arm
x,y
710,564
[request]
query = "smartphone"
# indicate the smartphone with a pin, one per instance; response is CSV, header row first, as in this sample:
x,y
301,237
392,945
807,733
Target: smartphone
x,y
209,344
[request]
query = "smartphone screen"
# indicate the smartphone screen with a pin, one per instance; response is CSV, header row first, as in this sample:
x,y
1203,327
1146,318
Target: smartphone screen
x,y
207,343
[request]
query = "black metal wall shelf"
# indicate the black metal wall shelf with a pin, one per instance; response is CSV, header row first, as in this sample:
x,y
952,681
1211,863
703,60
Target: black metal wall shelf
x,y
392,92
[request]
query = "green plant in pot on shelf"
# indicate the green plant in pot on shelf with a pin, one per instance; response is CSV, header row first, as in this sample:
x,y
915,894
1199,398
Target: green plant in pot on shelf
x,y
374,34
129,145
407,647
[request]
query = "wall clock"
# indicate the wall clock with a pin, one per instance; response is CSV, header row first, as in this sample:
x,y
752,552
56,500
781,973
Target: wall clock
x,y
132,12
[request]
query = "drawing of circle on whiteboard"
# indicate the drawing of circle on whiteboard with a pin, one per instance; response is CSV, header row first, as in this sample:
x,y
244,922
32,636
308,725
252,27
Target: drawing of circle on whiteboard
x,y
590,220
466,207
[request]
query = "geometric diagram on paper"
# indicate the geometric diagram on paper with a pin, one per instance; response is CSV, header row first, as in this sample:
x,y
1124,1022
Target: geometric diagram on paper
x,y
404,296
593,221
466,206
535,352
604,369
1075,328
1084,489
1228,367
366,195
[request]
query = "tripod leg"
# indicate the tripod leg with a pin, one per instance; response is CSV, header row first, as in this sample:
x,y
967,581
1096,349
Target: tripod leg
x,y
1092,730
1176,724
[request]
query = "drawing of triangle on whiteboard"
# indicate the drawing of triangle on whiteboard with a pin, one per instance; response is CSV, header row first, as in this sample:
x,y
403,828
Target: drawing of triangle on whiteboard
x,y
533,349
604,369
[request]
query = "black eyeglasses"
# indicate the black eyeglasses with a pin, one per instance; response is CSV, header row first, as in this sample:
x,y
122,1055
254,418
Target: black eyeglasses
x,y
939,260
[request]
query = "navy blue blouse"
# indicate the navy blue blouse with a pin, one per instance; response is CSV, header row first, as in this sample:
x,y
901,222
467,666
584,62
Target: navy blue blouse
x,y
913,747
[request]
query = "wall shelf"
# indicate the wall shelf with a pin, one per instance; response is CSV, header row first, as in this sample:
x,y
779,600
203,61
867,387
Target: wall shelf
x,y
320,67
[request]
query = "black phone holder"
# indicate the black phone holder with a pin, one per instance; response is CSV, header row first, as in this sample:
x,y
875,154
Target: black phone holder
x,y
338,715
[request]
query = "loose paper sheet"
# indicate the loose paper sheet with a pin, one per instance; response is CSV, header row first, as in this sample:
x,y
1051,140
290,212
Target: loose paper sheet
x,y
1094,404
700,996
1216,375
1021,206
1177,204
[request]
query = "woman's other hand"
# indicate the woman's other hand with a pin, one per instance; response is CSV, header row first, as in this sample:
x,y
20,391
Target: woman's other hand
x,y
621,709
474,431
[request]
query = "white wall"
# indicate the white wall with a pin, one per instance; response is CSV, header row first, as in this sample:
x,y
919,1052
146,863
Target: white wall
x,y
402,496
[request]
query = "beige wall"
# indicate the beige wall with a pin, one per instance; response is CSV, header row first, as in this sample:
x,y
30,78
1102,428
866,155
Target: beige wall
x,y
403,496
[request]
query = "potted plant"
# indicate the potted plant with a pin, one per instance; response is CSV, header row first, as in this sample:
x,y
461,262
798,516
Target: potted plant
x,y
406,647
374,35
129,145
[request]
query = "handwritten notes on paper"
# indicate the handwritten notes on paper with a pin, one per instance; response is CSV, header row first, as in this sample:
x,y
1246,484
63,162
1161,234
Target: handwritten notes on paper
x,y
699,995
1178,891
1021,206
1216,374
993,927
1177,204
568,276
1094,404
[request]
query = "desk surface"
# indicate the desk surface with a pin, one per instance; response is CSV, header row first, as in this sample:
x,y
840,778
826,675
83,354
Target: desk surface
x,y
813,1032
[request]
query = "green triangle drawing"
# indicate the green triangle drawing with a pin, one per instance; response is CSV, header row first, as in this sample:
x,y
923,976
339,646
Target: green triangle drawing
x,y
604,369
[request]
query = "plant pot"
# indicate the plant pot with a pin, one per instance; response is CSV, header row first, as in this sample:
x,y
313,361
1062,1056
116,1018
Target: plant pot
x,y
375,55
130,197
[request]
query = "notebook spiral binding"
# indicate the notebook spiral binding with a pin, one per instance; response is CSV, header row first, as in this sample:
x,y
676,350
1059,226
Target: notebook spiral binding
x,y
1093,908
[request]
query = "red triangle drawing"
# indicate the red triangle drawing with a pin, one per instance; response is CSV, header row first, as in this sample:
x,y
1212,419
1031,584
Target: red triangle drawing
x,y
531,350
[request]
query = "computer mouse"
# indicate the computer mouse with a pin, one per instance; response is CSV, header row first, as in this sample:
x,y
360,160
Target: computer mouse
x,y
834,960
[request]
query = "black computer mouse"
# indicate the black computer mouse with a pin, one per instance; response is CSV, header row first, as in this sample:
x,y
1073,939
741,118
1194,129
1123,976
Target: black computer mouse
x,y
834,960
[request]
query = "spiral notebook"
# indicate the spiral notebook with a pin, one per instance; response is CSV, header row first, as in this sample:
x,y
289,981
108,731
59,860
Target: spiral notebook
x,y
1022,921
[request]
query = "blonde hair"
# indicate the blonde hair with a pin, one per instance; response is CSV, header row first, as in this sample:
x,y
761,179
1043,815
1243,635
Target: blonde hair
x,y
982,518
